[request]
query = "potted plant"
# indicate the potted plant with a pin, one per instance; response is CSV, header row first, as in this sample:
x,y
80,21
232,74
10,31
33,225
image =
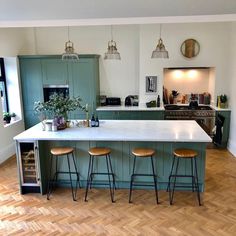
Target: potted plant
x,y
174,94
223,101
7,117
58,107
13,116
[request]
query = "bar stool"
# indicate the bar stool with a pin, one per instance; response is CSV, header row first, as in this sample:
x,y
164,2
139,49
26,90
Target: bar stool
x,y
188,154
99,152
56,153
143,153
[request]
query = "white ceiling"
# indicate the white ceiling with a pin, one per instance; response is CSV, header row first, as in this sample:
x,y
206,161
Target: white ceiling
x,y
83,12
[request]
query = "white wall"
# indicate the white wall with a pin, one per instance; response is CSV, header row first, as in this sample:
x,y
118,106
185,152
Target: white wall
x,y
232,97
117,78
12,43
213,39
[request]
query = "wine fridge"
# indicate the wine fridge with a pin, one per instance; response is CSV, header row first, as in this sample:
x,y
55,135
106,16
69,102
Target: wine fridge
x,y
28,160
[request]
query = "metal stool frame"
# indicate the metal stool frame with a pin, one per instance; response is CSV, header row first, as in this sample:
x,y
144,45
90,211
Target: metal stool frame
x,y
143,185
53,181
194,185
109,173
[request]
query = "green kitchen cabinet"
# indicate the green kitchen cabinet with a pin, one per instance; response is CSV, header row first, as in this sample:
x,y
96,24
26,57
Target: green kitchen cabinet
x,y
38,71
84,82
54,71
32,88
131,115
226,127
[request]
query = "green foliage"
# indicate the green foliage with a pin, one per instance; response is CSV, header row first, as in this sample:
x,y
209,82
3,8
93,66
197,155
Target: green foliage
x,y
6,115
13,114
223,98
174,93
58,105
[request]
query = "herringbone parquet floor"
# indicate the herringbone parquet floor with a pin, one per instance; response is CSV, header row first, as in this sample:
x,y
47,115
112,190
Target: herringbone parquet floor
x,y
32,214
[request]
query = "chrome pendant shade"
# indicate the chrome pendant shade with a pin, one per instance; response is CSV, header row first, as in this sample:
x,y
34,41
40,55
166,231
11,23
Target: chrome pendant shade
x,y
69,54
112,52
160,51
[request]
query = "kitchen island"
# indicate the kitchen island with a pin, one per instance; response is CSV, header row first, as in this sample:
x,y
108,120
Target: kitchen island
x,y
121,136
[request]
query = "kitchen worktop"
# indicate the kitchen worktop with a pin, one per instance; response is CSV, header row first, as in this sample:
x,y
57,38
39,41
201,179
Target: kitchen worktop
x,y
124,130
143,107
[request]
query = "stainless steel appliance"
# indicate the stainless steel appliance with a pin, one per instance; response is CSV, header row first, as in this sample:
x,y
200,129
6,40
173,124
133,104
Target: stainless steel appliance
x,y
131,100
204,115
48,90
113,101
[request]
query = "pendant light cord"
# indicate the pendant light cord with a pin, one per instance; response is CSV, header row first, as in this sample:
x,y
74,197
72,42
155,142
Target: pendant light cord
x,y
160,30
111,33
35,42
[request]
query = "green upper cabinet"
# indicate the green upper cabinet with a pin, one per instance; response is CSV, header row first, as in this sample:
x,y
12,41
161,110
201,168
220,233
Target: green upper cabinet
x,y
82,78
31,82
84,82
54,71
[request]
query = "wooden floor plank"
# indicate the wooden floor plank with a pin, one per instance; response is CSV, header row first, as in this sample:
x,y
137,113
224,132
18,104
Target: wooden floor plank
x,y
32,214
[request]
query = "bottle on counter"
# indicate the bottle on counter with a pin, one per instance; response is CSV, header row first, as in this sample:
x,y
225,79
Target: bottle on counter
x,y
93,121
96,122
158,101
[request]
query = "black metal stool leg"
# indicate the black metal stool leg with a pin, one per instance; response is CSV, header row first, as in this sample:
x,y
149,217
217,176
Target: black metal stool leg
x,y
112,173
88,178
131,181
49,190
197,184
176,171
111,192
76,171
171,173
193,179
71,184
155,181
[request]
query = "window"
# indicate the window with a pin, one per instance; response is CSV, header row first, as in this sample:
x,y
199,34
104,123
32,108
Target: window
x,y
3,87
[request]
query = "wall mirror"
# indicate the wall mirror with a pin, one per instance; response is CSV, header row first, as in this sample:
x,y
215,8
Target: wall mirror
x,y
190,48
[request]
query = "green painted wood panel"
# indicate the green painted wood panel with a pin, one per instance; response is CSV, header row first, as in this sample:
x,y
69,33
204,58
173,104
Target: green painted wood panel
x,y
31,82
122,161
55,72
84,78
131,115
32,88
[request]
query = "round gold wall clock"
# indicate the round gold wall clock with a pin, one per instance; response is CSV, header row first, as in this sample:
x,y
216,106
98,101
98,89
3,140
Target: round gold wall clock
x,y
190,48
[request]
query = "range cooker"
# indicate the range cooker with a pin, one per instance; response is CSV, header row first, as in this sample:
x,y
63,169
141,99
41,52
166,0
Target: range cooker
x,y
204,115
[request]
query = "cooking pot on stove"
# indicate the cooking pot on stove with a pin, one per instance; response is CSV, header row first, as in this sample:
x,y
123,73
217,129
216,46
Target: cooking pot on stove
x,y
193,105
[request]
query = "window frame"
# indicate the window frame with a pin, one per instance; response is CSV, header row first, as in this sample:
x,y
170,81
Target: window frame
x,y
3,79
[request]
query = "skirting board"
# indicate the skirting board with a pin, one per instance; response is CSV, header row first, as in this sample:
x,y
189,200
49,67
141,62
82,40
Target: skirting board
x,y
7,152
232,147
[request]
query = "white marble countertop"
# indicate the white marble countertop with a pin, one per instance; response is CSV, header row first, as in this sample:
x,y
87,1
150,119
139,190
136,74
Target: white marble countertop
x,y
124,130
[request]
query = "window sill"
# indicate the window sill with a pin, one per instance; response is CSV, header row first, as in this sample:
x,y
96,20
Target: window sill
x,y
12,123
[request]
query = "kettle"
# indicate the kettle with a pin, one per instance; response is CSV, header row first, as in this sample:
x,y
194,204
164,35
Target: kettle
x,y
129,100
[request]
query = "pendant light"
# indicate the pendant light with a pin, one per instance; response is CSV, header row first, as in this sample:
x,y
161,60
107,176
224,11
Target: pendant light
x,y
69,54
112,52
160,51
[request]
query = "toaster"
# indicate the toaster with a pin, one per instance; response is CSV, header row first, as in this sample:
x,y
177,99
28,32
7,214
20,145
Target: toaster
x,y
113,101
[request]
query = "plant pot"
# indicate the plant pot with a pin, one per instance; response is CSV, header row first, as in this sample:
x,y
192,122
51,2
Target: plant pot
x,y
7,120
223,105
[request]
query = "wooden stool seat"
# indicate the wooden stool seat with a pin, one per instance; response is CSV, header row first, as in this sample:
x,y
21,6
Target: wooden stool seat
x,y
143,152
99,151
185,153
59,151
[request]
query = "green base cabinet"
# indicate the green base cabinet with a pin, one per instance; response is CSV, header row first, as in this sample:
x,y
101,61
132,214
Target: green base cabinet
x,y
38,71
131,115
122,162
